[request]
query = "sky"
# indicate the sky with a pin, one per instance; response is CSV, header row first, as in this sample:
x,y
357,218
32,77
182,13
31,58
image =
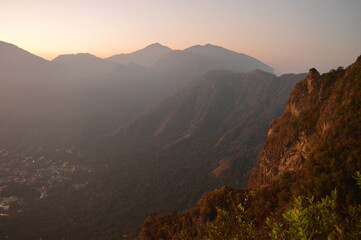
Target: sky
x,y
289,35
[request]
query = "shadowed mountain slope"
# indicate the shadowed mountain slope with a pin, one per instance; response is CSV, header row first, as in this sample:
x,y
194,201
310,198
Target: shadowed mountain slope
x,y
204,137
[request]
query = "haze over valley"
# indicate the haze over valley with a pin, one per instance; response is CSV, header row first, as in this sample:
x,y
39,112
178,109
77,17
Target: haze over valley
x,y
207,120
74,125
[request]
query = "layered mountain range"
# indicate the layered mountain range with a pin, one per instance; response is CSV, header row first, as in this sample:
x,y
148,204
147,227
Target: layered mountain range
x,y
92,146
82,90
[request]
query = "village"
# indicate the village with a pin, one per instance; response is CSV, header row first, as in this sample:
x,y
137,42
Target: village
x,y
38,170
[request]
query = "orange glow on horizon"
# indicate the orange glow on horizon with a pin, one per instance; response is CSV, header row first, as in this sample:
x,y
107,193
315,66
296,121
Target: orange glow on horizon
x,y
289,36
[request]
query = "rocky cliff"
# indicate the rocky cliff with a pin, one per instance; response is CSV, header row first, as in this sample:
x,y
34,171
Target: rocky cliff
x,y
321,111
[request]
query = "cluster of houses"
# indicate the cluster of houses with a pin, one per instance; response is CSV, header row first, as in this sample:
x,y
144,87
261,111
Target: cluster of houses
x,y
36,170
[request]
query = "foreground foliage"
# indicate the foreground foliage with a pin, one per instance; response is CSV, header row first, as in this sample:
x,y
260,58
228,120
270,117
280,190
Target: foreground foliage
x,y
304,219
307,219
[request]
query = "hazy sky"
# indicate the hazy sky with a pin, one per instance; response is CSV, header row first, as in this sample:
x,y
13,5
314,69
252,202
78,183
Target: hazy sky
x,y
289,35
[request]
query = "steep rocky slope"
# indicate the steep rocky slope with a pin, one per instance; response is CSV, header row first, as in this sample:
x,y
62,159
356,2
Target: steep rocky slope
x,y
321,111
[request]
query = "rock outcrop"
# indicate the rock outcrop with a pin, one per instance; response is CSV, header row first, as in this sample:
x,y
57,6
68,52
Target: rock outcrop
x,y
312,117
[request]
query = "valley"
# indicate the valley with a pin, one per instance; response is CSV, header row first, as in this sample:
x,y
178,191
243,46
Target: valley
x,y
110,134
92,147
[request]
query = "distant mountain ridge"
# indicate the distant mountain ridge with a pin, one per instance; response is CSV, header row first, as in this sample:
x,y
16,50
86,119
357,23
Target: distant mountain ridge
x,y
220,57
11,52
105,88
86,63
145,57
17,64
228,59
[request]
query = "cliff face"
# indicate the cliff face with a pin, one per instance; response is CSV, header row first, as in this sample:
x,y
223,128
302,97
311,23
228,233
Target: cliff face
x,y
319,111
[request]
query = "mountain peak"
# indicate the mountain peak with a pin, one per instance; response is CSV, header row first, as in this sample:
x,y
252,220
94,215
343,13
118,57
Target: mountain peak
x,y
156,45
313,78
358,59
145,57
313,71
86,63
10,51
78,56
229,59
205,46
209,45
3,44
